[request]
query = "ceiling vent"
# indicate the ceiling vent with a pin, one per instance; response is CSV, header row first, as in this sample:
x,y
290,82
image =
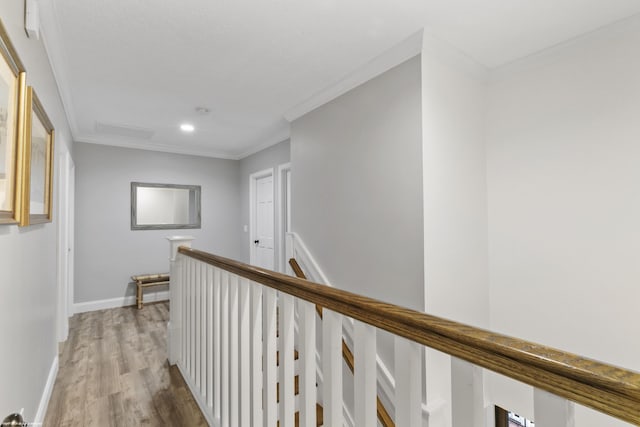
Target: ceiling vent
x,y
124,130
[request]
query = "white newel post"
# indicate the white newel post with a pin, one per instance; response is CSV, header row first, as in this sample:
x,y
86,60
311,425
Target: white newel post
x,y
175,296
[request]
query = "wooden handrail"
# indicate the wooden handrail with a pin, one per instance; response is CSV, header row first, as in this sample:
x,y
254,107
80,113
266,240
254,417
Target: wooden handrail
x,y
609,389
347,355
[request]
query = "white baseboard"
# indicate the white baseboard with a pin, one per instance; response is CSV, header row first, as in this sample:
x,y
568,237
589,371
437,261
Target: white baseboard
x,y
46,393
82,307
195,392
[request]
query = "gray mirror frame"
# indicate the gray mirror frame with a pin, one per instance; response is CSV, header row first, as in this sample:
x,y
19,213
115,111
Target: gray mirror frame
x,y
134,204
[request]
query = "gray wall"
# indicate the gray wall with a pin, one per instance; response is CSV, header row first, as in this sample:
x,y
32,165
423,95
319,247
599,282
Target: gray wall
x,y
357,187
268,158
28,270
108,252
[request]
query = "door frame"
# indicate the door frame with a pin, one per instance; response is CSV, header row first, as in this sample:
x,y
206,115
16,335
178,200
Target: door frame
x,y
66,189
283,214
253,179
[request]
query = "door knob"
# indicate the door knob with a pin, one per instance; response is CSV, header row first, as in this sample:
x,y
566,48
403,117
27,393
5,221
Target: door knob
x,y
255,242
13,420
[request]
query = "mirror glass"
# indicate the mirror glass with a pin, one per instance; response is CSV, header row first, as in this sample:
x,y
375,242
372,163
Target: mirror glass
x,y
164,206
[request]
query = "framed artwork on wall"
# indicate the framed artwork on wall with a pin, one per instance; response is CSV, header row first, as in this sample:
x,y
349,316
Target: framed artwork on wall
x,y
38,163
12,111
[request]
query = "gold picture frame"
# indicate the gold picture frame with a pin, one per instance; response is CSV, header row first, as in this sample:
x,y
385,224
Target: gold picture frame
x,y
37,181
12,111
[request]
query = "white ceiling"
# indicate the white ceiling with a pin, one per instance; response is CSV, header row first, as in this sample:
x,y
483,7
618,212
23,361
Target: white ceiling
x,y
130,71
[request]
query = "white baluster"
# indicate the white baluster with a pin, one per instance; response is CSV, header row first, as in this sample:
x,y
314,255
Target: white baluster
x,y
245,353
307,361
408,396
270,377
192,320
198,324
233,350
217,344
224,348
287,396
189,314
365,376
332,367
551,410
256,355
185,311
203,330
210,337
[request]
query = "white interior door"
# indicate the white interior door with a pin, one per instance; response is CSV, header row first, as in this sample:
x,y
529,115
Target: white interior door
x,y
262,221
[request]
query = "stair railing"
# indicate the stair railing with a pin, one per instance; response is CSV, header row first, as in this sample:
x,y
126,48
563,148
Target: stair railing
x,y
223,338
383,415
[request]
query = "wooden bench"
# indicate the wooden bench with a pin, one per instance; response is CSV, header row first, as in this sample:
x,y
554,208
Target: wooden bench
x,y
147,280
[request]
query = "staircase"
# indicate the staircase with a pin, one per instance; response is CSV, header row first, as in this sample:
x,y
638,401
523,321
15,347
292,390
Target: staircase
x,y
347,355
296,388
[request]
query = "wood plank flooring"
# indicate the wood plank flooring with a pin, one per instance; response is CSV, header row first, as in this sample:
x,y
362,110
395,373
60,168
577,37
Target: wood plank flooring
x,y
113,371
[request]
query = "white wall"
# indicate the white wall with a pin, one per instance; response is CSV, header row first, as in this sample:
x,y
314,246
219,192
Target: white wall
x,y
28,288
269,158
455,215
563,184
108,252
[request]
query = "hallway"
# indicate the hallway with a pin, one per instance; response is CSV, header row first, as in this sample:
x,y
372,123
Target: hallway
x,y
114,372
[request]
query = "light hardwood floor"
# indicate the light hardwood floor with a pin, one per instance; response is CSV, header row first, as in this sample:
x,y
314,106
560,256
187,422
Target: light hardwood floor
x,y
114,372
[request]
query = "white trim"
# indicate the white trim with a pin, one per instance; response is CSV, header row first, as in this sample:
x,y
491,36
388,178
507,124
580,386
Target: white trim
x,y
398,54
252,212
281,136
71,239
306,260
46,393
281,218
195,392
62,310
53,46
433,47
386,386
506,70
348,418
83,307
154,146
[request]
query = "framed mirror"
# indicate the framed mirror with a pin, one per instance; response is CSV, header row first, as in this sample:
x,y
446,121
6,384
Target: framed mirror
x,y
164,206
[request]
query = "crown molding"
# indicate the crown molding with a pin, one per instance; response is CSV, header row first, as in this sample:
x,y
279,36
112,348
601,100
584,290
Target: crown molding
x,y
153,146
281,136
398,54
50,32
440,50
541,57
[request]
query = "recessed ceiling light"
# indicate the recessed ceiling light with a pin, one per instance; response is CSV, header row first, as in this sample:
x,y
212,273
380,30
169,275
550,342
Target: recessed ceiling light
x,y
187,127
